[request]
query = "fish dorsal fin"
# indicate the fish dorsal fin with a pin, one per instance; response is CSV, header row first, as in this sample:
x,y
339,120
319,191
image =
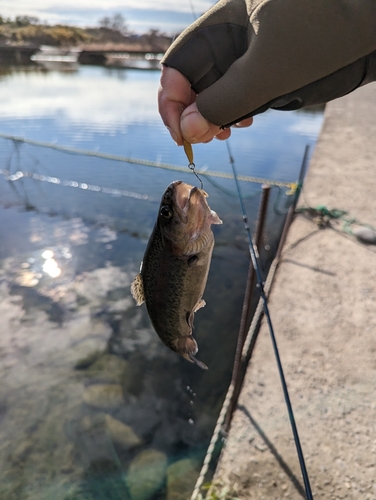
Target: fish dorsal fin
x,y
137,289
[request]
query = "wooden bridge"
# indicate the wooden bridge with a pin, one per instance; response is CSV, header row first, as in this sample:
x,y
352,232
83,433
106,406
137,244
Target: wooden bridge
x,y
89,54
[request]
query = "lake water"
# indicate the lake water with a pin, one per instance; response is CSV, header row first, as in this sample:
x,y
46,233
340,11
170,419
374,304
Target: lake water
x,y
92,404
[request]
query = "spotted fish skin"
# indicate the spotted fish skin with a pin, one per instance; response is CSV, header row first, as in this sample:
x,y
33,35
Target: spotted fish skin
x,y
175,267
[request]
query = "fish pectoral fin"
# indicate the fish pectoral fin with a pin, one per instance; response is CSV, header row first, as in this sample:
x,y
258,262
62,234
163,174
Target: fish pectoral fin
x,y
214,218
137,289
189,318
200,303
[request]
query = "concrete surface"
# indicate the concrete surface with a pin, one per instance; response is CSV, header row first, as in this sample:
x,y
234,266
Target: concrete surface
x,y
323,307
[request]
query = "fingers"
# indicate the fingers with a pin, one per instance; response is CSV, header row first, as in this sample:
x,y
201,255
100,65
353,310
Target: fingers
x,y
225,134
179,112
244,123
174,95
195,128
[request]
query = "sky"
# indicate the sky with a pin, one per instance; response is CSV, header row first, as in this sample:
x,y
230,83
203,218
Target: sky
x,y
170,16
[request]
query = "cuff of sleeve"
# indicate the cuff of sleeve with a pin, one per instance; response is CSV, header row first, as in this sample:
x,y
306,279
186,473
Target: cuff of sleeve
x,y
333,86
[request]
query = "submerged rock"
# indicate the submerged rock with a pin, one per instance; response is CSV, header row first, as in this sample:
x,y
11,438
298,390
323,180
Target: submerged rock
x,y
86,361
107,368
122,434
181,479
104,396
146,474
102,481
132,379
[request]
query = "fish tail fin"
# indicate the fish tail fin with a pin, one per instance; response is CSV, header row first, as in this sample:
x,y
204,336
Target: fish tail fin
x,y
187,347
197,362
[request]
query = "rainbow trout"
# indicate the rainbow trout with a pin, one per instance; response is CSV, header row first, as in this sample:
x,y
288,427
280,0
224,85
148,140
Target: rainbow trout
x,y
176,264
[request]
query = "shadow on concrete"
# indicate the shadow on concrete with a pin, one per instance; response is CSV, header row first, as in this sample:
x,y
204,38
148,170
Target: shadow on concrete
x,y
274,451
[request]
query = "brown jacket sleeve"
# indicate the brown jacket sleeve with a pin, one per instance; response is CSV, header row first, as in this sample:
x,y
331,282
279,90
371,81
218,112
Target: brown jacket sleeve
x,y
245,56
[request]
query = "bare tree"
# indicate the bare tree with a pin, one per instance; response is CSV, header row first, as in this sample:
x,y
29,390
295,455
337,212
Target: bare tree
x,y
26,20
105,22
116,22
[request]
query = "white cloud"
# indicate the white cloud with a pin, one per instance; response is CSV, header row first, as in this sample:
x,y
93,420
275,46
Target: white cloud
x,y
87,12
307,126
24,6
92,98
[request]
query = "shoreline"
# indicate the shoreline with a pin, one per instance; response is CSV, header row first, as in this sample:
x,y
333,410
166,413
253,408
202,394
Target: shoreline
x,y
323,309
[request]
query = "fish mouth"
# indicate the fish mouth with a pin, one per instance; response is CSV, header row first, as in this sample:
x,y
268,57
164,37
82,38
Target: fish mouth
x,y
186,194
183,195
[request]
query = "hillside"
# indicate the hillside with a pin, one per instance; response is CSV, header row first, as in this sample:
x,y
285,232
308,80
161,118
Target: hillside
x,y
25,30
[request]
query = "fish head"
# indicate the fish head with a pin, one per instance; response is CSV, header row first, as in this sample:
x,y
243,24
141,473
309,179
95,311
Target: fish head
x,y
184,214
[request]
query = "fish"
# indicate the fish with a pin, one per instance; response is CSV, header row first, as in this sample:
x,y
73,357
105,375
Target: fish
x,y
175,267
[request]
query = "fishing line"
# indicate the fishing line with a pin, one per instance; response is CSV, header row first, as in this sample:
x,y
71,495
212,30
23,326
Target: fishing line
x,y
192,10
187,146
254,258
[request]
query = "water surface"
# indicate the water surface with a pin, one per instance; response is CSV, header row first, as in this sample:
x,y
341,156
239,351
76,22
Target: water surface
x,y
90,398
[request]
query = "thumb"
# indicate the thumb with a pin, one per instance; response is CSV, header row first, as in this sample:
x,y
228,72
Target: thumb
x,y
195,128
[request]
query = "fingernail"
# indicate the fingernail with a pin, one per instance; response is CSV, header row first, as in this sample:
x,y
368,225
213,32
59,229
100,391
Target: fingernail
x,y
173,135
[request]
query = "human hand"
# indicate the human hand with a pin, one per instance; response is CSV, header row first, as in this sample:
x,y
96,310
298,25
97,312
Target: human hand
x,y
243,57
178,109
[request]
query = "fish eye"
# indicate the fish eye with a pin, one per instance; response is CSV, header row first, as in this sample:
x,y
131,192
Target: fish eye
x,y
166,212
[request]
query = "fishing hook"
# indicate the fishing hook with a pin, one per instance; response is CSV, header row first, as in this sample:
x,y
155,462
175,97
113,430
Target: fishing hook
x,y
192,166
189,152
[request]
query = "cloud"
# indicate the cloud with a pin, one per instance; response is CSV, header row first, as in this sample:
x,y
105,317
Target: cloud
x,y
93,98
164,14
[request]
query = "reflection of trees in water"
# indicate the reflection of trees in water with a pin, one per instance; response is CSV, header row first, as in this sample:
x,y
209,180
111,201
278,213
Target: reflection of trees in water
x,y
27,66
11,173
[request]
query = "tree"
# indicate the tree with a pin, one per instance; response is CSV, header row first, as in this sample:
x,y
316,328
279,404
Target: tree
x,y
105,22
26,20
116,23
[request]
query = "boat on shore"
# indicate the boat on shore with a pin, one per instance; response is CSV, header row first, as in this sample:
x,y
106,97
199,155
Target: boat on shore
x,y
148,60
57,57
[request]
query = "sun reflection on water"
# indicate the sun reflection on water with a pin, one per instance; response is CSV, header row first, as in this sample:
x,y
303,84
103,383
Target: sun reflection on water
x,y
45,263
50,265
51,268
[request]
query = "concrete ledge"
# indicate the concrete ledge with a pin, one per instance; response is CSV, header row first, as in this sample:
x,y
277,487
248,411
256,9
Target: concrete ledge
x,y
323,306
